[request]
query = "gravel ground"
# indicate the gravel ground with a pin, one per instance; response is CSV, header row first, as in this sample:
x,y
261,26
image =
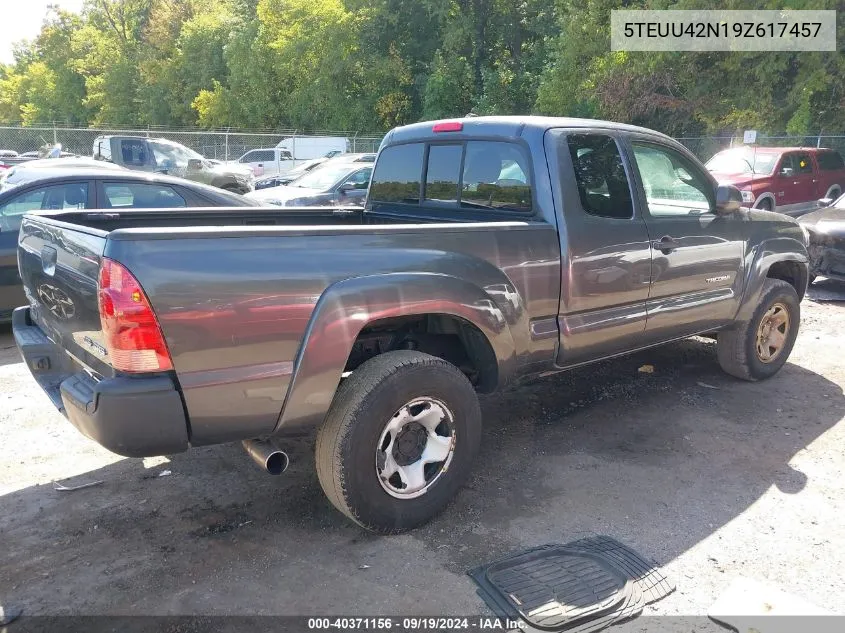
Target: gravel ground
x,y
710,476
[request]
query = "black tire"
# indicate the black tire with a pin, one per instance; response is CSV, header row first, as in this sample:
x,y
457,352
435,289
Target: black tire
x,y
363,405
736,348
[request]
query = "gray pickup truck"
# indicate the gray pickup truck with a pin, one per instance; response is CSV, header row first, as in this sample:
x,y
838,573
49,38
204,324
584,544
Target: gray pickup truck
x,y
489,250
160,155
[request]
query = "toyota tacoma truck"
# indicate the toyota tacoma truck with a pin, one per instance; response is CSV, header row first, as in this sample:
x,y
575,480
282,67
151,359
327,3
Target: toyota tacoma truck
x,y
488,250
166,157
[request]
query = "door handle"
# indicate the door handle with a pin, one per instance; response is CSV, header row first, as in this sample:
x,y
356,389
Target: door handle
x,y
665,245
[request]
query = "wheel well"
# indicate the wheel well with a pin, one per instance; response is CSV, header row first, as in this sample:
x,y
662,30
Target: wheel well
x,y
791,272
765,196
451,338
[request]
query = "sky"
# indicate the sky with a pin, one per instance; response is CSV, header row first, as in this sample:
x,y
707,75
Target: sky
x,y
21,20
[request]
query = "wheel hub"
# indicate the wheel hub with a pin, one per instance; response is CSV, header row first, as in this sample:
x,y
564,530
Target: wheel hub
x,y
415,448
772,333
410,444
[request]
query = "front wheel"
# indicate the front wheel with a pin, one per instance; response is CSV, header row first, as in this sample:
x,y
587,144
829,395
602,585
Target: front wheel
x,y
758,348
398,441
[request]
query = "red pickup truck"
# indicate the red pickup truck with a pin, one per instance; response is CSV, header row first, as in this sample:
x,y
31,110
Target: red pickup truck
x,y
785,179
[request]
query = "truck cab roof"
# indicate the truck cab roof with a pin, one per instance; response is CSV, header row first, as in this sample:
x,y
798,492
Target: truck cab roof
x,y
503,126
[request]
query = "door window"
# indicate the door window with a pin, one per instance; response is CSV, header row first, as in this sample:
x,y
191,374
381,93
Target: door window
x,y
69,196
141,196
258,156
361,179
602,182
673,184
802,164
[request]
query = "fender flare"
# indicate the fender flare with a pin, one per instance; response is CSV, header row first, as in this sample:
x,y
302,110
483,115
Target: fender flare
x,y
767,253
347,306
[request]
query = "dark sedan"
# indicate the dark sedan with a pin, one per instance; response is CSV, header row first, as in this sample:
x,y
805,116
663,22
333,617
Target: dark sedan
x,y
89,188
340,184
825,230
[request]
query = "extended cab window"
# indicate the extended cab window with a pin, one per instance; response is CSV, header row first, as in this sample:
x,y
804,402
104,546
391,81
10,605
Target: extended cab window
x,y
673,184
602,183
496,176
830,161
141,196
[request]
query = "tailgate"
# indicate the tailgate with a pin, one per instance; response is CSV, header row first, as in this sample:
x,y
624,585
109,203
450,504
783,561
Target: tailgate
x,y
59,264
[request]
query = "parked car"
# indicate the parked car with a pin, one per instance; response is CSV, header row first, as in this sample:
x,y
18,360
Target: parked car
x,y
89,188
8,153
490,249
784,179
35,169
825,230
309,165
339,184
163,156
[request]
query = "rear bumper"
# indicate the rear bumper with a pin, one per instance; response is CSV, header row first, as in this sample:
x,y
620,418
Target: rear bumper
x,y
134,417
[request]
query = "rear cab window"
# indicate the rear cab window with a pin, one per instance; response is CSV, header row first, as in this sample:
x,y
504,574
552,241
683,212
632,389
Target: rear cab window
x,y
459,175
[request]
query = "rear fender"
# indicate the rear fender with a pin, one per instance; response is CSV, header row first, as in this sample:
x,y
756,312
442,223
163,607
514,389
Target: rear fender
x,y
346,307
768,252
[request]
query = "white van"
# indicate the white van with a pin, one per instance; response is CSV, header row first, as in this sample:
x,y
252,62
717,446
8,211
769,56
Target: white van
x,y
305,147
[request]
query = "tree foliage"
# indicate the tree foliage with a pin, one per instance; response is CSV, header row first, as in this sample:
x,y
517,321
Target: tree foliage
x,y
368,65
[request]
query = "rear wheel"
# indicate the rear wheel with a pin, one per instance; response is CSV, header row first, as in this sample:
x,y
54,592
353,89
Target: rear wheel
x,y
758,348
398,441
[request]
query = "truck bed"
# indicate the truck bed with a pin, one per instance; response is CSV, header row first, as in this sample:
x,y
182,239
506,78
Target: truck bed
x,y
238,291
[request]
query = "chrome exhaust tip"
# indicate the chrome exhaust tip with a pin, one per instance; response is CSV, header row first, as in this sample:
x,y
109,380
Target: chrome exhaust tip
x,y
267,456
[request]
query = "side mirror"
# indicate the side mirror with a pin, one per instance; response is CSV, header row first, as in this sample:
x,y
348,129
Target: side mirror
x,y
825,202
728,199
194,164
786,171
347,187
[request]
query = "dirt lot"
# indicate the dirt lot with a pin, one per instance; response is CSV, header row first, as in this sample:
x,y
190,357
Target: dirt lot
x,y
710,476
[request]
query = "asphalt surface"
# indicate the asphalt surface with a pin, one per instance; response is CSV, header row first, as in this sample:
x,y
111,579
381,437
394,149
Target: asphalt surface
x,y
710,476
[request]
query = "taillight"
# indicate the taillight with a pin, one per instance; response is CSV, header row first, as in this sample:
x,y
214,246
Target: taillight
x,y
132,335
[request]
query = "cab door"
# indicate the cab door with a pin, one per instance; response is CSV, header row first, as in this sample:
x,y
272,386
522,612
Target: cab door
x,y
796,182
605,250
696,255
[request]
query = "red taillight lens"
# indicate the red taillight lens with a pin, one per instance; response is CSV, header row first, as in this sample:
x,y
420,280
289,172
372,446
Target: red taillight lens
x,y
130,328
448,126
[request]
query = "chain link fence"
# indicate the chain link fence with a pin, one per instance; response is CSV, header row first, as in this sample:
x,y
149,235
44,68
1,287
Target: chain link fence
x,y
220,145
705,146
231,144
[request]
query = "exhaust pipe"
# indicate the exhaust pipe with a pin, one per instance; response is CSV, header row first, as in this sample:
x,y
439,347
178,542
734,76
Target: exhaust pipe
x,y
270,458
